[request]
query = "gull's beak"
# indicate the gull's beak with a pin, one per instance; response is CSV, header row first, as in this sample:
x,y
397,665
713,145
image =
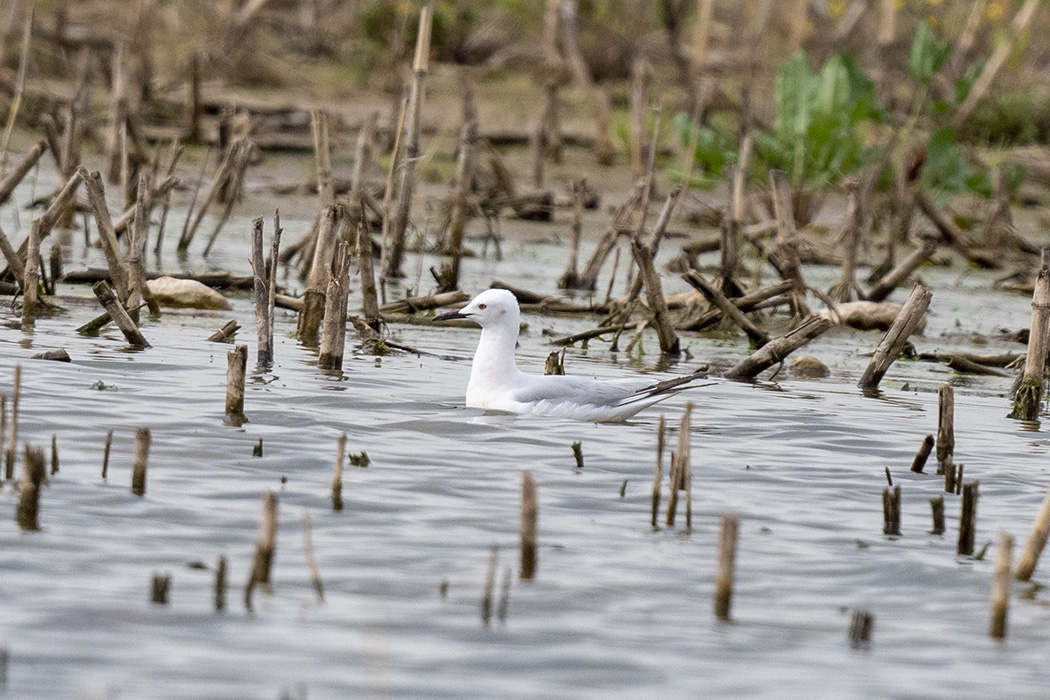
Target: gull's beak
x,y
451,316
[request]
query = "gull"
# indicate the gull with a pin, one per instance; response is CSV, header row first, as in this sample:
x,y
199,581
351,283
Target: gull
x,y
497,384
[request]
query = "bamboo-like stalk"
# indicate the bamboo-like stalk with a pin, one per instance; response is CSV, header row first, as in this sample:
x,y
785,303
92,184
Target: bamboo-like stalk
x,y
29,496
333,336
261,290
1028,397
320,272
31,279
9,183
265,547
236,364
777,349
1001,587
116,311
726,566
529,514
391,264
945,426
658,474
787,241
892,344
337,474
114,260
138,476
1033,548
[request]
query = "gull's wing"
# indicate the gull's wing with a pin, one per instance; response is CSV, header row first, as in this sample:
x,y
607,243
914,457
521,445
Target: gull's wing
x,y
599,393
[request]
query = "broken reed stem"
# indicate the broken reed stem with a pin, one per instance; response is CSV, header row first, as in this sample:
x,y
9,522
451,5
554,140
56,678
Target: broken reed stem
x,y
779,348
31,279
922,455
105,454
658,475
271,292
968,518
261,289
490,585
265,546
893,279
160,586
1029,395
1001,586
333,334
311,561
577,452
945,426
673,476
337,476
504,596
116,311
1036,542
312,314
726,565
684,462
225,334
891,511
787,241
220,583
529,515
29,499
54,454
366,266
12,445
861,625
322,157
138,475
391,264
236,364
137,290
892,344
9,183
96,192
937,510
756,335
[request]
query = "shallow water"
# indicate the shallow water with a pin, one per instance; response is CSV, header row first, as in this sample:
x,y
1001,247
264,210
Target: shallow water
x,y
616,609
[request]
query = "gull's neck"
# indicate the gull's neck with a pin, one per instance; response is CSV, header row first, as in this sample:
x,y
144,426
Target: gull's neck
x,y
494,366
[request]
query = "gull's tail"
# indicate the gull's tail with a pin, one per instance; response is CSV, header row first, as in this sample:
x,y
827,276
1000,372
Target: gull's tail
x,y
661,390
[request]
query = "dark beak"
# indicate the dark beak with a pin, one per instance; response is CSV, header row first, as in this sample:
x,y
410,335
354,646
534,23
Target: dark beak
x,y
450,316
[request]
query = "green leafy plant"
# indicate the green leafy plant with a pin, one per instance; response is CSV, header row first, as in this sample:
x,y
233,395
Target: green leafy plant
x,y
820,130
715,149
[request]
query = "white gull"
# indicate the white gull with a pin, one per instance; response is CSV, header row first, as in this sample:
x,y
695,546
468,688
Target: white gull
x,y
496,383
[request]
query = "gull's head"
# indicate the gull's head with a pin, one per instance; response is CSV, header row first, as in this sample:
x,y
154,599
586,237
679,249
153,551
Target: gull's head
x,y
491,308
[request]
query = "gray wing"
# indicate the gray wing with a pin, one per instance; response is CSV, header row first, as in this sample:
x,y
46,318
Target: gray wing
x,y
596,392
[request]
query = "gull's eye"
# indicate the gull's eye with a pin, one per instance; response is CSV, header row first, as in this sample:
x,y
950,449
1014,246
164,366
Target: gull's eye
x,y
482,306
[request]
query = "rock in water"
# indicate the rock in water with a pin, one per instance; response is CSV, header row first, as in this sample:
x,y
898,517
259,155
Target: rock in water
x,y
190,294
808,367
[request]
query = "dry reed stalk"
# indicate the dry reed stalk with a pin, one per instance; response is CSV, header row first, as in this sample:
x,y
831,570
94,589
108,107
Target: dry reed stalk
x,y
333,335
896,276
504,597
118,108
9,183
271,295
757,336
236,364
685,467
674,475
995,62
366,266
116,311
14,262
174,156
54,454
322,157
1036,542
138,475
391,263
220,584
1001,587
577,453
265,546
160,587
225,334
490,585
1029,394
968,518
20,83
311,561
231,186
891,511
137,289
33,475
362,157
329,233
861,625
114,260
892,344
448,278
922,455
337,475
937,509
105,454
726,566
945,426
787,241
261,290
31,281
659,229
658,472
779,348
529,515
570,280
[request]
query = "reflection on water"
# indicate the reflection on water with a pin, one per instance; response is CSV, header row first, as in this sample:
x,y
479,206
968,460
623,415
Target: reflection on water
x,y
617,610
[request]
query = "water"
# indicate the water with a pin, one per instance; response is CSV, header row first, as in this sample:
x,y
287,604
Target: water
x,y
616,609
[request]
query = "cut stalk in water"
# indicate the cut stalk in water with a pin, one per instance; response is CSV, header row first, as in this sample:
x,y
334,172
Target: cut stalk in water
x,y
490,585
138,475
31,305
337,476
922,455
328,235
1033,548
105,454
236,364
54,454
968,518
658,474
12,445
29,497
891,511
577,452
937,510
333,336
726,567
225,334
895,277
116,311
945,426
311,561
160,587
96,193
787,241
779,348
757,336
892,344
529,515
1029,395
220,584
1001,586
265,547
